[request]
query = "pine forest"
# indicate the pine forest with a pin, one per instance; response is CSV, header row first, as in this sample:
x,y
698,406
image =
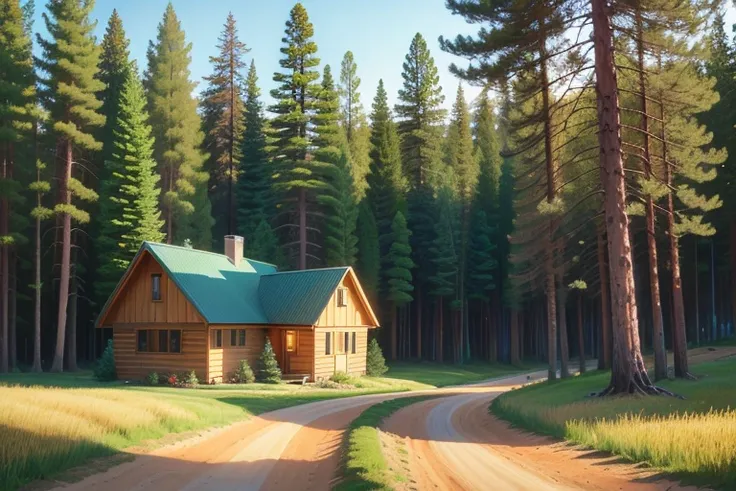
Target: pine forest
x,y
582,206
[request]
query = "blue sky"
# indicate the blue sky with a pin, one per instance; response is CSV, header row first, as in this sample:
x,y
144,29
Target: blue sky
x,y
377,31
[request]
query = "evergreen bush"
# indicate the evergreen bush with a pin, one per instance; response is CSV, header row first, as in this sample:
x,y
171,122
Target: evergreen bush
x,y
105,368
244,373
268,370
376,363
152,378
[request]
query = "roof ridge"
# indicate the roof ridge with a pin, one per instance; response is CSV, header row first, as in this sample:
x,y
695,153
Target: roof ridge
x,y
311,270
261,262
172,246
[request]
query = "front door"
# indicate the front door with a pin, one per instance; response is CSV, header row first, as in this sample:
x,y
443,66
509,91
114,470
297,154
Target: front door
x,y
341,352
290,342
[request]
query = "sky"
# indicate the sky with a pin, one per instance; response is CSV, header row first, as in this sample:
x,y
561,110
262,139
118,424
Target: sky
x,y
378,32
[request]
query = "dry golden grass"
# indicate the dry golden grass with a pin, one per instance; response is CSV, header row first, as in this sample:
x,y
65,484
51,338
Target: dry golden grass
x,y
679,443
694,438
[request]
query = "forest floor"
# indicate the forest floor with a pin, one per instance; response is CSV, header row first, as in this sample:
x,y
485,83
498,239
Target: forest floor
x,y
693,438
53,422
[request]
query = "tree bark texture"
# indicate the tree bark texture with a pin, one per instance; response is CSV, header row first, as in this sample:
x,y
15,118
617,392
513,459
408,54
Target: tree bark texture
x,y
564,345
581,332
604,359
628,373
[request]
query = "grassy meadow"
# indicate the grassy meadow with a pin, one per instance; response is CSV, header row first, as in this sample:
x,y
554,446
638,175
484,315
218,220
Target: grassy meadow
x,y
364,466
52,422
694,438
444,374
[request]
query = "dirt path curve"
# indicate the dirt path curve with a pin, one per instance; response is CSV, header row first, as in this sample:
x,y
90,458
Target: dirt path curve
x,y
454,443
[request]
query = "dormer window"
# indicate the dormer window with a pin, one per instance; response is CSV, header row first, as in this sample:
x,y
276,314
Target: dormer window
x,y
342,297
156,287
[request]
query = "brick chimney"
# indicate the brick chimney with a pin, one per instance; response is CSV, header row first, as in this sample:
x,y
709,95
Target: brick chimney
x,y
234,249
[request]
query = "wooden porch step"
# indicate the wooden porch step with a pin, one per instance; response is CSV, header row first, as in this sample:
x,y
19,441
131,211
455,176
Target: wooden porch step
x,y
295,377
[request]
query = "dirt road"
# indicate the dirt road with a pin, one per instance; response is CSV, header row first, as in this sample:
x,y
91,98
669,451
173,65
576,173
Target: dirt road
x,y
453,442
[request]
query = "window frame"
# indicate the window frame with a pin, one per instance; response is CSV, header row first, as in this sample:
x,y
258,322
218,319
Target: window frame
x,y
153,340
354,346
328,343
342,296
156,276
295,346
215,338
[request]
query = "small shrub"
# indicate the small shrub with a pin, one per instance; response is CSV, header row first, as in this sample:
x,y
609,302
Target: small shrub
x,y
152,378
331,384
375,363
244,373
189,379
341,377
268,369
105,367
173,380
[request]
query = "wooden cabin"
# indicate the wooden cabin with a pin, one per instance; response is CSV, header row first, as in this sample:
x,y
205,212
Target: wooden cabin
x,y
179,309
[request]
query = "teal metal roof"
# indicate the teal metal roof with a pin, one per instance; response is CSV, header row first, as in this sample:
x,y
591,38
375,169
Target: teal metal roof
x,y
253,293
222,293
298,297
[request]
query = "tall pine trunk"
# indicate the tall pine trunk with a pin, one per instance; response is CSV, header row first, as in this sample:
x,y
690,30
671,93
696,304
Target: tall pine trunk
x,y
732,246
440,347
303,229
394,331
71,353
660,356
515,355
13,311
66,249
5,345
564,348
581,334
679,338
604,359
419,322
628,373
37,293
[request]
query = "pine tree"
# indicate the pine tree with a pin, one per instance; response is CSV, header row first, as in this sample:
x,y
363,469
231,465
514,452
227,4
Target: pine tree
x,y
17,94
295,100
263,245
375,364
420,115
481,266
387,185
354,122
70,59
398,265
368,265
255,199
129,198
176,130
196,227
268,370
39,187
341,218
114,68
223,118
488,153
445,255
460,157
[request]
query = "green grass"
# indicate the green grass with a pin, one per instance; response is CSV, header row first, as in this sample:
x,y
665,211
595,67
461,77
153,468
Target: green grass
x,y
364,466
694,438
52,422
444,374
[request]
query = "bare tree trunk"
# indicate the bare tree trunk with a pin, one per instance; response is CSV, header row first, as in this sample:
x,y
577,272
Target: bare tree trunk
x,y
419,322
660,356
440,346
66,249
394,333
12,311
604,360
71,353
679,338
628,373
732,246
5,345
551,319
37,295
581,334
514,334
564,348
302,228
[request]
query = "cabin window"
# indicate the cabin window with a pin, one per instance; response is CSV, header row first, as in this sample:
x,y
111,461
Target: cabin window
x,y
342,297
156,287
175,341
163,341
237,337
328,343
347,341
143,340
355,343
216,338
291,341
158,341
